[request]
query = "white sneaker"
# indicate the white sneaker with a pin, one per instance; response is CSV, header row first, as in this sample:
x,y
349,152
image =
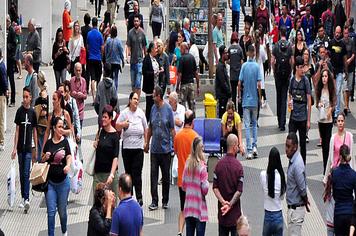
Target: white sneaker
x,y
22,204
27,205
249,156
264,103
65,234
254,152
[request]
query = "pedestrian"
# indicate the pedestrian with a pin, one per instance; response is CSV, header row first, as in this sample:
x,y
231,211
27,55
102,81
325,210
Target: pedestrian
x,y
183,148
178,111
338,59
262,17
98,4
107,152
163,60
18,55
75,45
56,153
60,58
350,63
218,37
299,103
299,44
161,130
250,78
150,71
328,20
33,44
111,7
156,20
194,50
186,30
308,25
222,81
343,188
10,58
234,5
106,92
296,193
172,40
187,71
100,217
128,8
114,54
95,44
85,29
67,22
195,185
236,59
282,62
31,78
3,97
177,54
297,26
285,21
133,123
321,39
127,219
26,122
273,183
228,187
105,26
130,21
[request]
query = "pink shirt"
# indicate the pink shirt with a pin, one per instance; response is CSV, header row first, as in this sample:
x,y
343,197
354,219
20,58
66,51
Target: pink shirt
x,y
79,93
338,142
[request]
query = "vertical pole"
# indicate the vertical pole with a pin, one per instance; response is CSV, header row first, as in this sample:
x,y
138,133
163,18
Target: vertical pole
x,y
210,40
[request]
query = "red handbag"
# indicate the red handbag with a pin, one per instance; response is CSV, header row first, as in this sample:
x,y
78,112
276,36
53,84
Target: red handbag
x,y
83,56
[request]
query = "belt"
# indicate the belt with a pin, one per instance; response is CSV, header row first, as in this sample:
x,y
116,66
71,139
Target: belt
x,y
295,206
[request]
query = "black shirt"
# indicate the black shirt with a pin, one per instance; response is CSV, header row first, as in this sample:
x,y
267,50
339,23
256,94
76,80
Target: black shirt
x,y
57,160
236,55
130,21
85,30
26,120
187,68
337,51
107,150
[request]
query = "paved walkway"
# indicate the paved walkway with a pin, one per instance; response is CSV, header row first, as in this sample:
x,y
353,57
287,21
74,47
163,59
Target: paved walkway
x,y
164,222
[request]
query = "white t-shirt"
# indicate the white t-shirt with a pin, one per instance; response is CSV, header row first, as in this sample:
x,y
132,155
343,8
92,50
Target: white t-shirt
x,y
74,47
133,136
179,113
272,204
195,52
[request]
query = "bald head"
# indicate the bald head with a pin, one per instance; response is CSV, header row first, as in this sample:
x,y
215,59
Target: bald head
x,y
338,32
188,118
232,142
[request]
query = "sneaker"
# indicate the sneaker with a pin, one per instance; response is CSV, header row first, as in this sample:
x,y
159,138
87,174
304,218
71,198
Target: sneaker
x,y
140,202
282,128
249,156
165,205
153,207
65,234
254,152
319,144
307,139
22,204
264,103
27,206
12,104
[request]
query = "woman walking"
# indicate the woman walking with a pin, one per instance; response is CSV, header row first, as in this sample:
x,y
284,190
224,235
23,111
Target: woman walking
x,y
75,45
59,56
274,187
156,18
133,122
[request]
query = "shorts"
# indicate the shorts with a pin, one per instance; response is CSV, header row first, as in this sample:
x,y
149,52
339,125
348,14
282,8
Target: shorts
x,y
136,75
181,198
347,84
95,70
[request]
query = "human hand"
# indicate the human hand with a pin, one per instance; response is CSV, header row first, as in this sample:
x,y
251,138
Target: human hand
x,y
46,156
110,196
308,124
242,150
126,124
77,138
225,209
13,154
109,180
66,169
95,144
146,148
307,206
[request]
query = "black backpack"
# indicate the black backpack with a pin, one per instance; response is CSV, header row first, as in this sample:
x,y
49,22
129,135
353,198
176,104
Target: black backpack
x,y
283,67
329,25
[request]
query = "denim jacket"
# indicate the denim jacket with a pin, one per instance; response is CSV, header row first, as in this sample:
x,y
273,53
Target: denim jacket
x,y
114,51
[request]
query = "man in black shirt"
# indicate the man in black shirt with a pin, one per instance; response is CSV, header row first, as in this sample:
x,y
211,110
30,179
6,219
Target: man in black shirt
x,y
130,19
85,30
26,123
187,71
11,51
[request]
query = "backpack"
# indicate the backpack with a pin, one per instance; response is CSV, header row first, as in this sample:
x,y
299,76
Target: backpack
x,y
299,92
283,67
329,25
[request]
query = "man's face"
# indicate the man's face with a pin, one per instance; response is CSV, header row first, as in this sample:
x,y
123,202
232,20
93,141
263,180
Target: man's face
x,y
78,71
136,22
299,70
322,53
284,10
321,32
27,64
26,98
156,98
290,148
220,21
30,26
346,34
307,11
135,7
338,32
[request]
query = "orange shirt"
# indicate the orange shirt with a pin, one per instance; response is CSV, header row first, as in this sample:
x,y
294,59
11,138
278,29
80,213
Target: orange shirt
x,y
66,20
182,147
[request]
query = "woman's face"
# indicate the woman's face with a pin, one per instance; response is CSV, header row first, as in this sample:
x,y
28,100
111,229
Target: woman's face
x,y
76,27
134,101
340,122
180,38
299,23
306,56
106,120
55,100
247,29
58,129
299,36
60,36
230,112
262,2
325,77
154,50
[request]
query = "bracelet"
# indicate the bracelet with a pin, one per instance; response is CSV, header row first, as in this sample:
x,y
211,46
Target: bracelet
x,y
112,176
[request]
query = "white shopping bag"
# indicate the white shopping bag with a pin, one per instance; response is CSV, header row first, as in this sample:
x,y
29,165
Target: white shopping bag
x,y
76,182
175,167
73,149
11,188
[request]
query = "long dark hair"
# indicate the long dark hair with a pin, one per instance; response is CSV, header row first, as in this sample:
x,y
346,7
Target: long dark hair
x,y
331,87
60,98
274,163
59,30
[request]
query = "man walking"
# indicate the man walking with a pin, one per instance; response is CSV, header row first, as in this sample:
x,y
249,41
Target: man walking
x,y
218,37
282,61
161,129
11,62
250,79
33,45
127,219
136,47
350,62
299,103
31,78
228,186
235,8
187,71
296,193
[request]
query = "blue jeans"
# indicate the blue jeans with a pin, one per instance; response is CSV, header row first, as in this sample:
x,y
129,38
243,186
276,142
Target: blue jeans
x,y
273,223
115,74
235,21
192,225
250,117
339,83
25,159
136,75
56,198
39,146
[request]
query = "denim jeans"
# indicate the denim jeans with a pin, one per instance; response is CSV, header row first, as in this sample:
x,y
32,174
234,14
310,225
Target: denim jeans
x,y
25,159
192,225
339,85
39,146
56,198
136,75
115,74
250,116
273,223
235,21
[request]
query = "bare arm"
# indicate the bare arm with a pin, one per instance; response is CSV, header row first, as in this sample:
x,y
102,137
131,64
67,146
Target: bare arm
x,y
16,139
218,196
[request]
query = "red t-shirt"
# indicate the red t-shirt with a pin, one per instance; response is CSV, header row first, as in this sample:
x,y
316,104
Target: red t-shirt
x,y
66,20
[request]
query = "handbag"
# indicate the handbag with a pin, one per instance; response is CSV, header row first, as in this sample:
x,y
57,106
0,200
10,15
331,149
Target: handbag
x,y
38,176
89,169
172,74
83,56
322,113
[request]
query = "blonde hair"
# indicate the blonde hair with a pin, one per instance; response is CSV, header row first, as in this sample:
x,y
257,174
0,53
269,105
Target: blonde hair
x,y
241,222
196,155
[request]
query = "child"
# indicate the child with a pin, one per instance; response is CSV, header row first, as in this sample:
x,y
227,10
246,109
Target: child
x,y
274,32
26,123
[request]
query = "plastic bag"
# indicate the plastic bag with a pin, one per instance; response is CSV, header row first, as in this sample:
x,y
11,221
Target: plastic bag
x,y
175,167
11,187
73,149
76,182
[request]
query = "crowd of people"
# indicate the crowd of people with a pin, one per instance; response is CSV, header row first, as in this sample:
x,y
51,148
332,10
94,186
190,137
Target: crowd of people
x,y
307,47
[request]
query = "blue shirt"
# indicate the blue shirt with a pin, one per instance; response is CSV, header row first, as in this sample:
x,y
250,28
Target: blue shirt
x,y
287,24
218,37
250,74
162,122
296,180
114,51
127,219
308,28
95,41
235,5
344,185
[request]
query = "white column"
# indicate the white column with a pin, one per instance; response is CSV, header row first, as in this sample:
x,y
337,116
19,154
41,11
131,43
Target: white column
x,y
3,14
